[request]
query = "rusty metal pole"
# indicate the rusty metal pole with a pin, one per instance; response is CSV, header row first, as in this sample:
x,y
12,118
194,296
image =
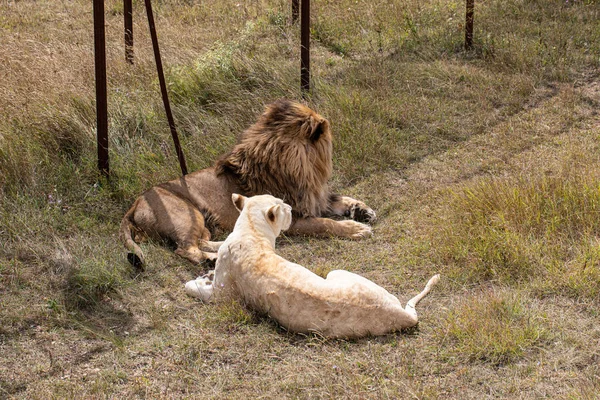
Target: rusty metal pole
x,y
295,10
101,97
305,47
469,24
163,88
128,14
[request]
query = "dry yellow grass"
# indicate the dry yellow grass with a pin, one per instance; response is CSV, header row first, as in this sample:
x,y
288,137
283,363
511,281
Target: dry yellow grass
x,y
481,165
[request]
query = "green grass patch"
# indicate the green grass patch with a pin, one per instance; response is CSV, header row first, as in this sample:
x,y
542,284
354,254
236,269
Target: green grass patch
x,y
492,327
514,230
90,280
229,316
576,278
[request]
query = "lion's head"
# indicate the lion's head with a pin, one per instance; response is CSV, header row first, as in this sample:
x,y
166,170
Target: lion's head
x,y
286,153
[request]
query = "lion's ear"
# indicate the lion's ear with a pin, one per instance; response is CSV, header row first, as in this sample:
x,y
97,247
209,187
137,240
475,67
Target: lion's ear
x,y
238,201
317,127
272,213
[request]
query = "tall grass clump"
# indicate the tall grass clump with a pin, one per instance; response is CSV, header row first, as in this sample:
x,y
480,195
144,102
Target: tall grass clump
x,y
53,147
90,280
229,69
522,229
51,150
492,327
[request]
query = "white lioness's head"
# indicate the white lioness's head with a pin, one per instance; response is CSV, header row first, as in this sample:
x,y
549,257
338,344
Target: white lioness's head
x,y
262,209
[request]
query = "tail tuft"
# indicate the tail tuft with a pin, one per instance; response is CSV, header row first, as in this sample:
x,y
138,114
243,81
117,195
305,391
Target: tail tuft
x,y
434,280
135,261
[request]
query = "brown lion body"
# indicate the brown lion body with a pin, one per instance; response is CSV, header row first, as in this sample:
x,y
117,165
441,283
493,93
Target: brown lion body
x,y
287,153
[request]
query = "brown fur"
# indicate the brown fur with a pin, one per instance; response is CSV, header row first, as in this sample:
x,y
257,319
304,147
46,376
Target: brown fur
x,y
286,153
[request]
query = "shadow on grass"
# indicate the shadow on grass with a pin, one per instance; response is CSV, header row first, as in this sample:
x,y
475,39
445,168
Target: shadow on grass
x,y
8,388
94,304
315,338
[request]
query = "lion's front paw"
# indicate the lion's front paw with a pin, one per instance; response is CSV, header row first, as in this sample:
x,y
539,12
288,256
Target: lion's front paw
x,y
361,213
355,230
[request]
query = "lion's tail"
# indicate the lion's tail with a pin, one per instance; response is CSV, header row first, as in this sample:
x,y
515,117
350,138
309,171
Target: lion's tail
x,y
136,256
412,303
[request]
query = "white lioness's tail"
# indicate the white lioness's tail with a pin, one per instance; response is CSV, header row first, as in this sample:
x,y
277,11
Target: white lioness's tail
x,y
410,306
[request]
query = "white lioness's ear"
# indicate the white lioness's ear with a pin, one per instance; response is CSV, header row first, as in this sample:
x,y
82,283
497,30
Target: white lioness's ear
x,y
273,213
238,201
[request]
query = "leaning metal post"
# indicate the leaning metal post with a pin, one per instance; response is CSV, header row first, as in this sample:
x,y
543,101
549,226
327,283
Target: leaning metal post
x,y
163,88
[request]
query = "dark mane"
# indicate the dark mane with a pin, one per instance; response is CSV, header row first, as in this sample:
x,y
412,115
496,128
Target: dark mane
x,y
286,153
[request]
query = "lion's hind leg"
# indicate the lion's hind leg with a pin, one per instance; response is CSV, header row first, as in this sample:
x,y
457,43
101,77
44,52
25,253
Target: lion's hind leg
x,y
166,215
350,280
404,317
186,227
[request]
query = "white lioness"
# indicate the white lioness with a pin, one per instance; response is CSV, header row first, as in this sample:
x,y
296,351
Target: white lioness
x,y
343,305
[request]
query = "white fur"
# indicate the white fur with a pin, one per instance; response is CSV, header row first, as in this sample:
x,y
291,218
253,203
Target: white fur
x,y
342,305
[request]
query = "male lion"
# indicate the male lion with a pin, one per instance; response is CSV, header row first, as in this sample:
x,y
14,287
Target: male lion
x,y
344,305
286,153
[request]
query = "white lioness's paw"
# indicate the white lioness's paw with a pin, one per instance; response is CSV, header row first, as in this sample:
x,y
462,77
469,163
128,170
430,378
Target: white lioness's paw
x,y
200,288
356,230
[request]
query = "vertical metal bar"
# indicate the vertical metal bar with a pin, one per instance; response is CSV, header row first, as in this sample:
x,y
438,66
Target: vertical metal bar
x,y
469,24
163,87
128,14
101,97
295,10
305,46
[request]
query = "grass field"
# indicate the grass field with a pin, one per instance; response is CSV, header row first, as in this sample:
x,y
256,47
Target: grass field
x,y
483,166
